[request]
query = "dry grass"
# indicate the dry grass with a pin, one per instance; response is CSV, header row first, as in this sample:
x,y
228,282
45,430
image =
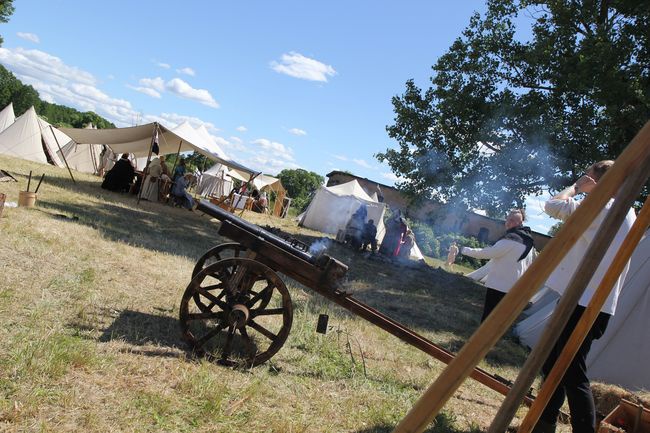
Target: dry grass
x,y
89,338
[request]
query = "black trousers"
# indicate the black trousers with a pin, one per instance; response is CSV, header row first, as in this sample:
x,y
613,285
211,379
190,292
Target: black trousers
x,y
492,298
575,384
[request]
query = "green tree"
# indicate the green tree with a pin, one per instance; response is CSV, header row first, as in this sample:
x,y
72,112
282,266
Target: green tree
x,y
6,10
555,228
300,185
507,115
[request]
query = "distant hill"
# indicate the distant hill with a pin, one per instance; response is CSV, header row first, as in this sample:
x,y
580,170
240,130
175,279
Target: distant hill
x,y
24,96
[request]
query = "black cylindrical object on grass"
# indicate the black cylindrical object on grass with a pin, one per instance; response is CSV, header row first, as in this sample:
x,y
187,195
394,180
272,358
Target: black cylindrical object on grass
x,y
39,183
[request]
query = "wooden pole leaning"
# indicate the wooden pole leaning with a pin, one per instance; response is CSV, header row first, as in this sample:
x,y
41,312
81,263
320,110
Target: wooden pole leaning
x,y
62,155
146,167
587,320
624,199
504,314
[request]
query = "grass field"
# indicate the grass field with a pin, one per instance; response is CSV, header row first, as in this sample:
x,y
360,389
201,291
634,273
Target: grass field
x,y
90,340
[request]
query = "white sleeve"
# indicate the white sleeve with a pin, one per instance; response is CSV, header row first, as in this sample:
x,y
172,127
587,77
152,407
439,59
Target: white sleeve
x,y
499,249
480,273
560,209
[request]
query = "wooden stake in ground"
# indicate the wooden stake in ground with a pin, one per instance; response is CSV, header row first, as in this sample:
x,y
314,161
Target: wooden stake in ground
x,y
29,180
62,155
587,320
497,323
39,183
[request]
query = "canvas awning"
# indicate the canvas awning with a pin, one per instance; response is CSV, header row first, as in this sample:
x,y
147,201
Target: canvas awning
x,y
137,140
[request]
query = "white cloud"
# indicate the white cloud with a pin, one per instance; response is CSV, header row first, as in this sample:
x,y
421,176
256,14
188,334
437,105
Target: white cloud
x,y
42,66
186,71
390,176
241,129
158,84
362,163
184,90
163,65
29,37
341,157
296,131
147,91
298,66
278,149
235,139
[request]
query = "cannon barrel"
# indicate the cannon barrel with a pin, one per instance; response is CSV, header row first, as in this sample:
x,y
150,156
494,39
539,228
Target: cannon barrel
x,y
223,215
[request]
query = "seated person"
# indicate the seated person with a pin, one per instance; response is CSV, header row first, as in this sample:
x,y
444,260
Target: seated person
x,y
120,177
180,194
369,236
261,203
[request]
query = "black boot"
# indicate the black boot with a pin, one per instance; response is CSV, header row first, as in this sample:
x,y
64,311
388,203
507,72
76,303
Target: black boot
x,y
544,427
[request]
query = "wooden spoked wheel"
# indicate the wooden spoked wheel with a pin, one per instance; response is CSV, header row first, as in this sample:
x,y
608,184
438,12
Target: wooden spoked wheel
x,y
243,314
220,252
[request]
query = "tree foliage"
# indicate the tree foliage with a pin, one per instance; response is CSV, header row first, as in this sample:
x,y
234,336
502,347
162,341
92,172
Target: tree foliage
x,y
24,96
300,185
6,10
509,114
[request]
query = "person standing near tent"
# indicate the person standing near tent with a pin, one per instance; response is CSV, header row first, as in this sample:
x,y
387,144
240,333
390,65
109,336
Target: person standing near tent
x,y
369,236
509,259
150,183
179,171
575,384
451,255
408,240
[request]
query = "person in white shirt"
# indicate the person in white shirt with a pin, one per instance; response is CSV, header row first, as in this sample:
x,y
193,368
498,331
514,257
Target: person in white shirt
x,y
509,259
575,383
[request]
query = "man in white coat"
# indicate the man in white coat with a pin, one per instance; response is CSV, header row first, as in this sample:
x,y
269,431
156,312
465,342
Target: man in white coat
x,y
509,259
575,383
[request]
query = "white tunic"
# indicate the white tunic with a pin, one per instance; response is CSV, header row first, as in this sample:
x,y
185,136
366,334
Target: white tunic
x,y
503,269
559,279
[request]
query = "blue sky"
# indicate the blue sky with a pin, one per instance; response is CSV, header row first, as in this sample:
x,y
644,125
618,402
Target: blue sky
x,y
284,84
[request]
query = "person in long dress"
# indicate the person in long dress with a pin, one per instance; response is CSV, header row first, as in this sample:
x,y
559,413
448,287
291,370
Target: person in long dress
x,y
150,188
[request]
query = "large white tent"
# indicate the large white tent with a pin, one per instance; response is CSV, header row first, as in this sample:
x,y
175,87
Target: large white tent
x,y
32,138
7,116
137,140
81,157
621,355
331,208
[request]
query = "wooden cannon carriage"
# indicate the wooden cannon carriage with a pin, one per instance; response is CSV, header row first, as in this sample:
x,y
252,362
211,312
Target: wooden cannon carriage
x,y
238,311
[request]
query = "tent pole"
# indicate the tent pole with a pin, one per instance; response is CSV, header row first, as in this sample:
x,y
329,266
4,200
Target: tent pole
x,y
178,152
146,167
587,320
62,155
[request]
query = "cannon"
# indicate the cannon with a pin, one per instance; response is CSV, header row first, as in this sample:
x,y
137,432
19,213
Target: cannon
x,y
238,311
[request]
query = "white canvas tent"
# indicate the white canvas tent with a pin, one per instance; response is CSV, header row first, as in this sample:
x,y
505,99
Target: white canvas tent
x,y
621,355
30,137
331,208
137,141
7,116
81,157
